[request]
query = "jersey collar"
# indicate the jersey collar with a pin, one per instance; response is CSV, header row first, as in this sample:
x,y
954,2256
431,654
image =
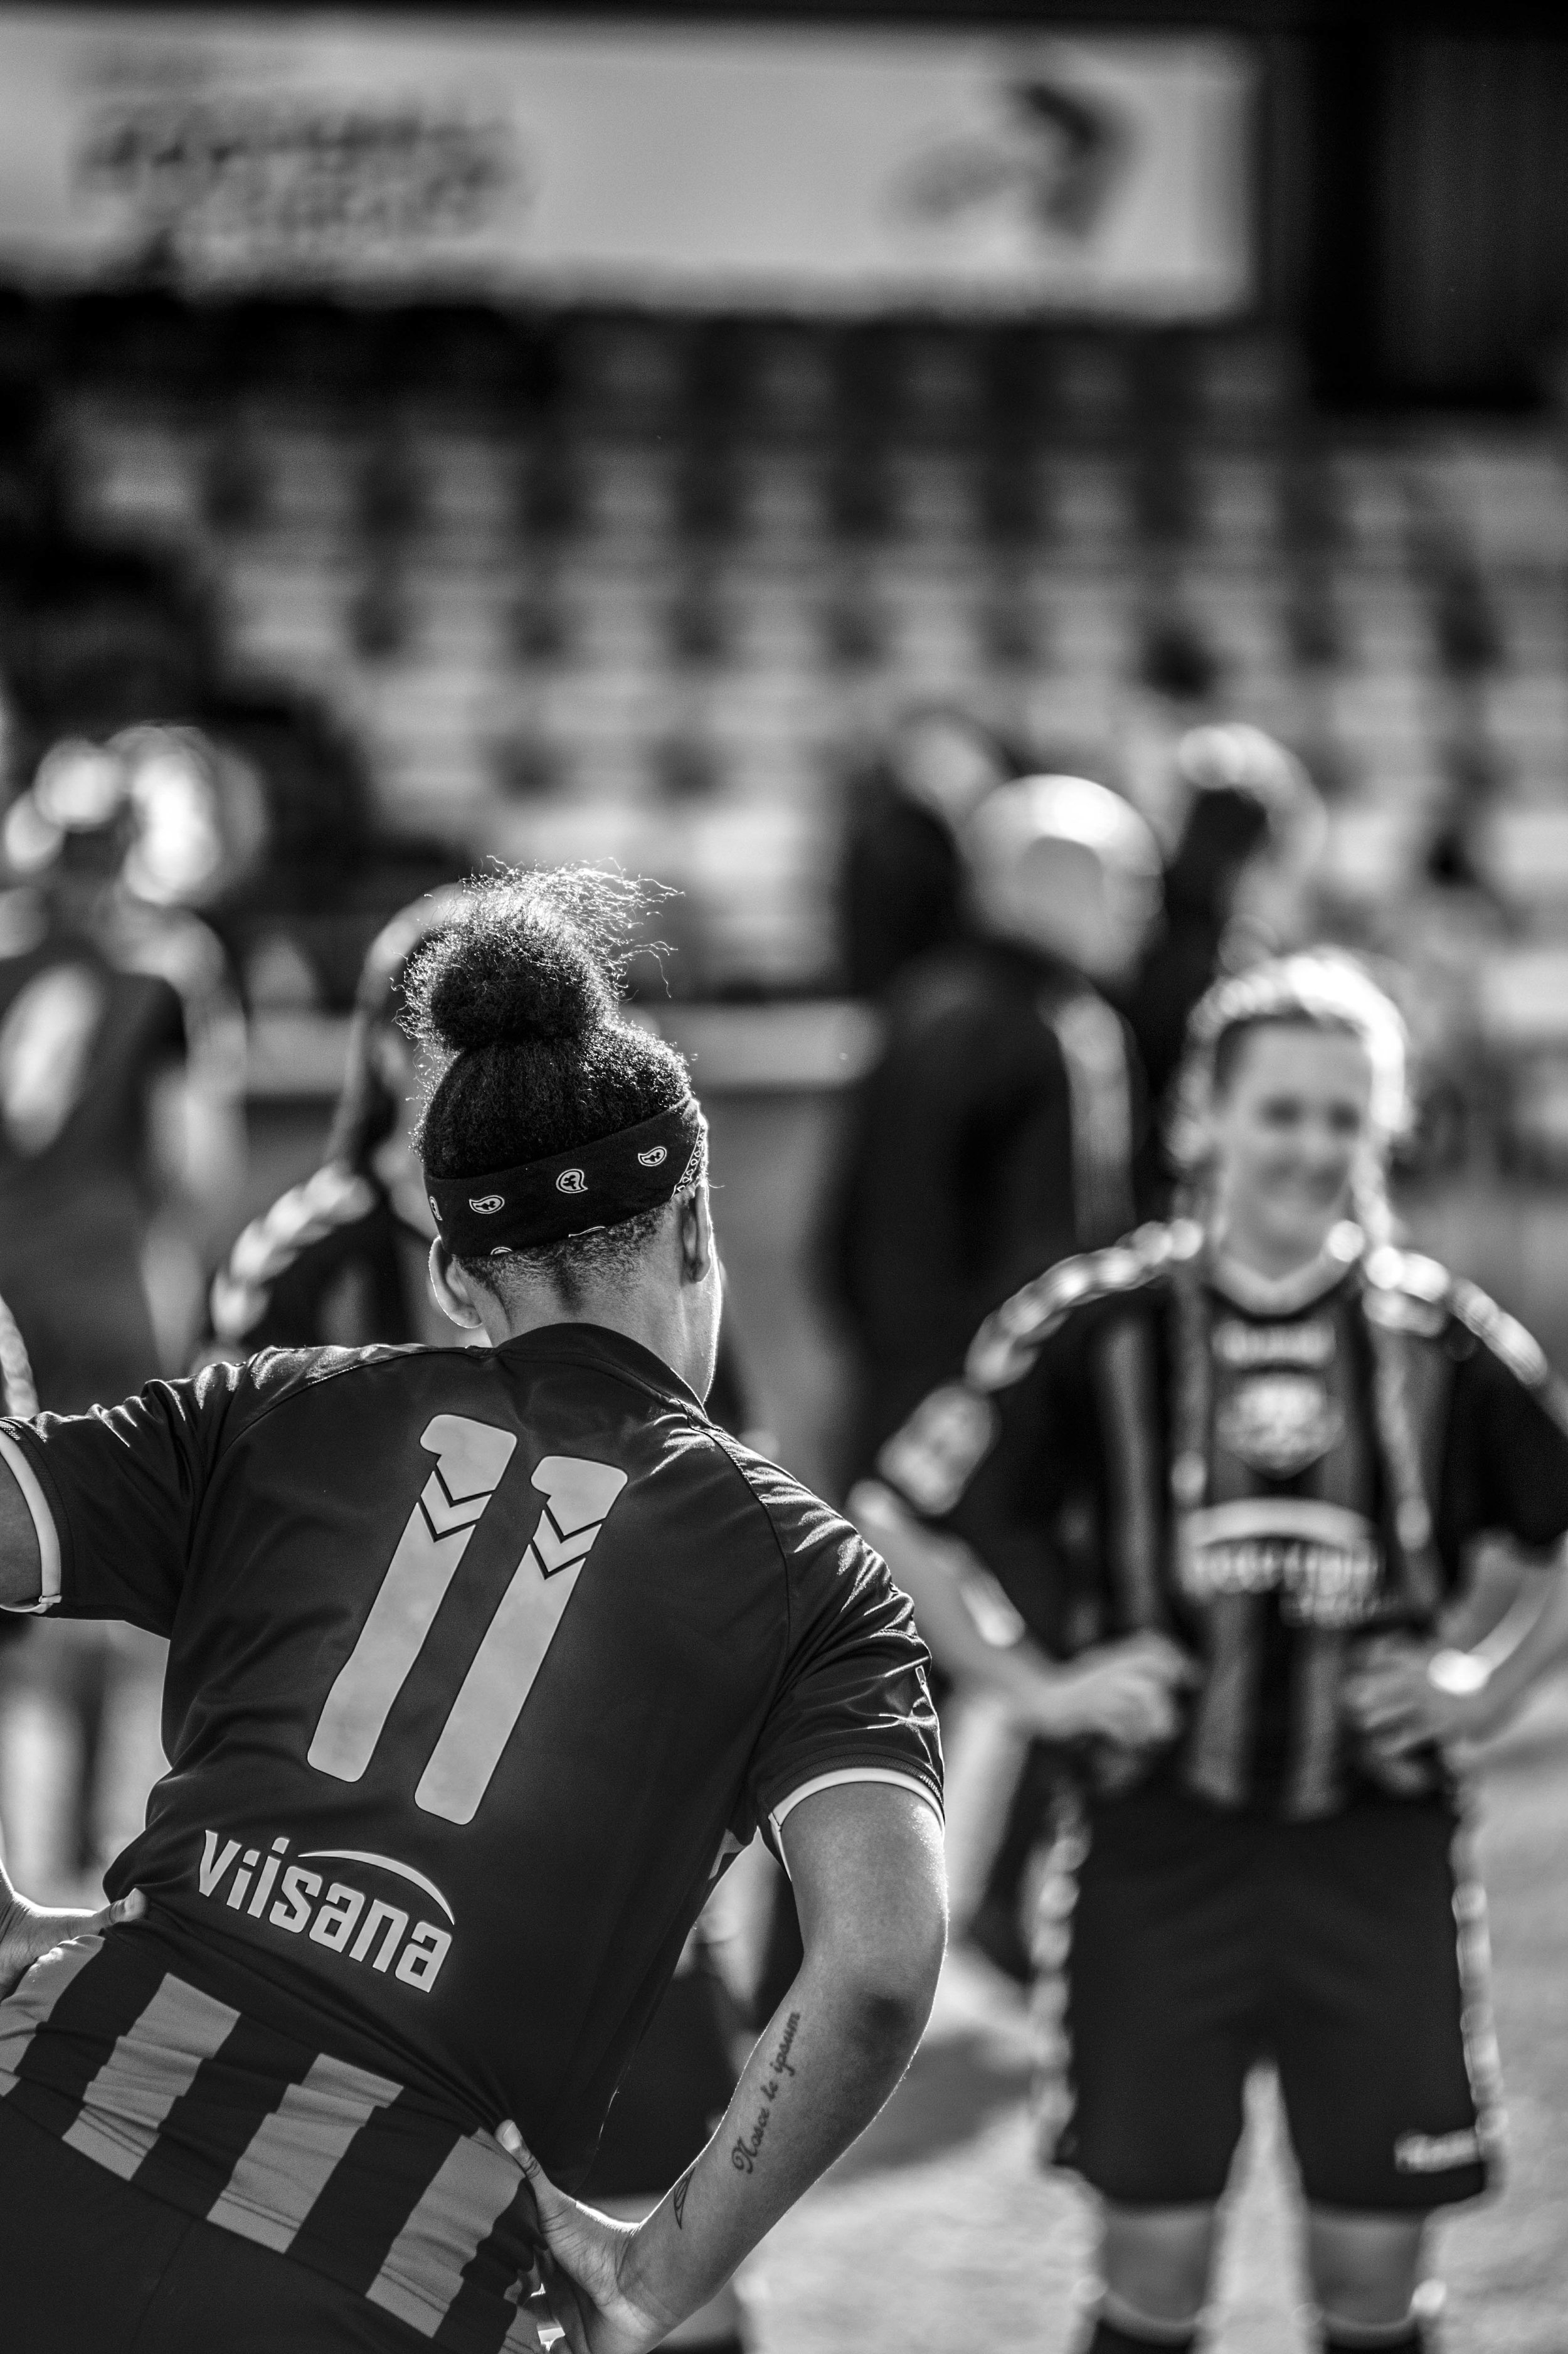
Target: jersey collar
x,y
1287,1295
616,1351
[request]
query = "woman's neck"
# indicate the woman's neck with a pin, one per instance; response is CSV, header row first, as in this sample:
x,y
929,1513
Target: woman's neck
x,y
1258,1276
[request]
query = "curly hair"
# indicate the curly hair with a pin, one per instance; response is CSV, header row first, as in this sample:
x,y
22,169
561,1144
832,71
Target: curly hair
x,y
515,1002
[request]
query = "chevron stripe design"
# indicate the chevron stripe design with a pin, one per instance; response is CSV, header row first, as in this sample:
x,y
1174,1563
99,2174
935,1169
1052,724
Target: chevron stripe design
x,y
578,1495
553,1550
446,1513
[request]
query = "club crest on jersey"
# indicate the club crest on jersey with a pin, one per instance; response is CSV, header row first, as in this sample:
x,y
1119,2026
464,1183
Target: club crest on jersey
x,y
332,1913
1278,1423
571,1181
655,1157
487,1205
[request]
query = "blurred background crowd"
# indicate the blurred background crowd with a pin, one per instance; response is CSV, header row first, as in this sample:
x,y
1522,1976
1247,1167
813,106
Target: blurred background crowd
x,y
334,564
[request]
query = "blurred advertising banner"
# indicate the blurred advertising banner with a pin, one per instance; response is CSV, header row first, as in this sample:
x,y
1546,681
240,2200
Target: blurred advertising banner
x,y
616,162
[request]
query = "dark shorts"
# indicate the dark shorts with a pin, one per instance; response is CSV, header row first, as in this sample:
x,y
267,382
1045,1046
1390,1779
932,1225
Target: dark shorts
x,y
1344,1952
89,2261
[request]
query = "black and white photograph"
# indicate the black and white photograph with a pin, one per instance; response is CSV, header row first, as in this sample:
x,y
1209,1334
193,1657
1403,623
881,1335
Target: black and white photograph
x,y
783,1177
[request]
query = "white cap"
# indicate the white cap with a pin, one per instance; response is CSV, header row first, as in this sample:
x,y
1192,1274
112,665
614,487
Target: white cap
x,y
1065,865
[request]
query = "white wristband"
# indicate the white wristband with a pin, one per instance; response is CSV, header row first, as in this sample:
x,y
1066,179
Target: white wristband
x,y
1460,1674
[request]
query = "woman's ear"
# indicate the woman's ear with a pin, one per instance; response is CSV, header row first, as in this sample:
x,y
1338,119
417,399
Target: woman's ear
x,y
451,1289
699,1251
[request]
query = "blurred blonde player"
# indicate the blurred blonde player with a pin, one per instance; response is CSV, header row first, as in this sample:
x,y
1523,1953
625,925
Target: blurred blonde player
x,y
1280,1437
120,1061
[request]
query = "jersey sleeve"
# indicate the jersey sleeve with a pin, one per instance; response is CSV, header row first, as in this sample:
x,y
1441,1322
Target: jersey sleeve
x,y
1521,1426
115,1495
852,1704
967,1459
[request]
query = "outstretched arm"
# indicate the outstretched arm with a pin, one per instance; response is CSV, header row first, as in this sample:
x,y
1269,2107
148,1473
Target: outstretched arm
x,y
865,1858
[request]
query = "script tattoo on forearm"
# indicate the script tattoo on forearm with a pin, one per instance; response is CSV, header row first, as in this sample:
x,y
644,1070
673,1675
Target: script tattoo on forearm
x,y
779,2064
744,2154
678,2198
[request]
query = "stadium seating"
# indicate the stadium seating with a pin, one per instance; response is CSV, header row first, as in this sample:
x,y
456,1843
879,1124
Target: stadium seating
x,y
511,554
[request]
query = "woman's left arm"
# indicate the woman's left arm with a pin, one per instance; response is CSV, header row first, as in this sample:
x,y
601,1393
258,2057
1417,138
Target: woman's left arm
x,y
1403,1693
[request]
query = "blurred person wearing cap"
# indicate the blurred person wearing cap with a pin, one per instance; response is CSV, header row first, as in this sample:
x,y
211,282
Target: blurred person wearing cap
x,y
121,1063
901,881
995,1133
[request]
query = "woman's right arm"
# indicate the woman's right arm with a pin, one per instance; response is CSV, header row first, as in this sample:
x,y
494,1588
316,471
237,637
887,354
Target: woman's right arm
x,y
865,1862
1125,1692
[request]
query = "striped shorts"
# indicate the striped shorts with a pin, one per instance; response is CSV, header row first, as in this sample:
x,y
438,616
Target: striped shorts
x,y
211,2116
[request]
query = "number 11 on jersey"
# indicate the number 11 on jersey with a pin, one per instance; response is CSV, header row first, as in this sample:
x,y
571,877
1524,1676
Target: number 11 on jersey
x,y
471,1459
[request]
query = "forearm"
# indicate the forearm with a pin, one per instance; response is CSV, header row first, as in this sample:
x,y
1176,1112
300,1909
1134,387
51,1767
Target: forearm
x,y
934,1571
828,2061
1515,1663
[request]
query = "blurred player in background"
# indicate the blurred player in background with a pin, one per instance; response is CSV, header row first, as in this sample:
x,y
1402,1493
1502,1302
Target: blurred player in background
x,y
1246,827
996,1133
343,1260
1229,1475
120,1069
901,889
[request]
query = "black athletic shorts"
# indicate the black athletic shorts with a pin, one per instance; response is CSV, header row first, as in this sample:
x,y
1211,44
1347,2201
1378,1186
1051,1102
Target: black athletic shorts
x,y
88,2262
1343,1951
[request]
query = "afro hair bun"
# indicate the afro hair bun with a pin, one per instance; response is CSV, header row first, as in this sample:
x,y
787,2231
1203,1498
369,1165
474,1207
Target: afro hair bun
x,y
528,961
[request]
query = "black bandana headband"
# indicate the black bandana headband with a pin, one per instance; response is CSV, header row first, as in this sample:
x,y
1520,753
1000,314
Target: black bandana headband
x,y
599,1185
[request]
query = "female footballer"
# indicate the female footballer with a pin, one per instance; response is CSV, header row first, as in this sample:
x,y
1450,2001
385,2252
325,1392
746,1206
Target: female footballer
x,y
483,1661
343,1257
1228,1474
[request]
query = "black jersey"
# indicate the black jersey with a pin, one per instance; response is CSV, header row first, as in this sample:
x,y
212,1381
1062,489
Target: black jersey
x,y
1134,1447
91,1020
482,1663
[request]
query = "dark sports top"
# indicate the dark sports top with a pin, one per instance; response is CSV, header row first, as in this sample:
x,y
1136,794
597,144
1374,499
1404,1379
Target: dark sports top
x,y
91,1019
483,1664
1271,1479
994,1135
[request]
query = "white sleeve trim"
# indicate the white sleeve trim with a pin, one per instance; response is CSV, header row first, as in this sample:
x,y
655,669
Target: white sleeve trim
x,y
27,1478
844,1774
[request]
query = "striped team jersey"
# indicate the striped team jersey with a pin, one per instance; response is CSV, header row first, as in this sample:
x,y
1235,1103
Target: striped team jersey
x,y
483,1665
1144,1439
